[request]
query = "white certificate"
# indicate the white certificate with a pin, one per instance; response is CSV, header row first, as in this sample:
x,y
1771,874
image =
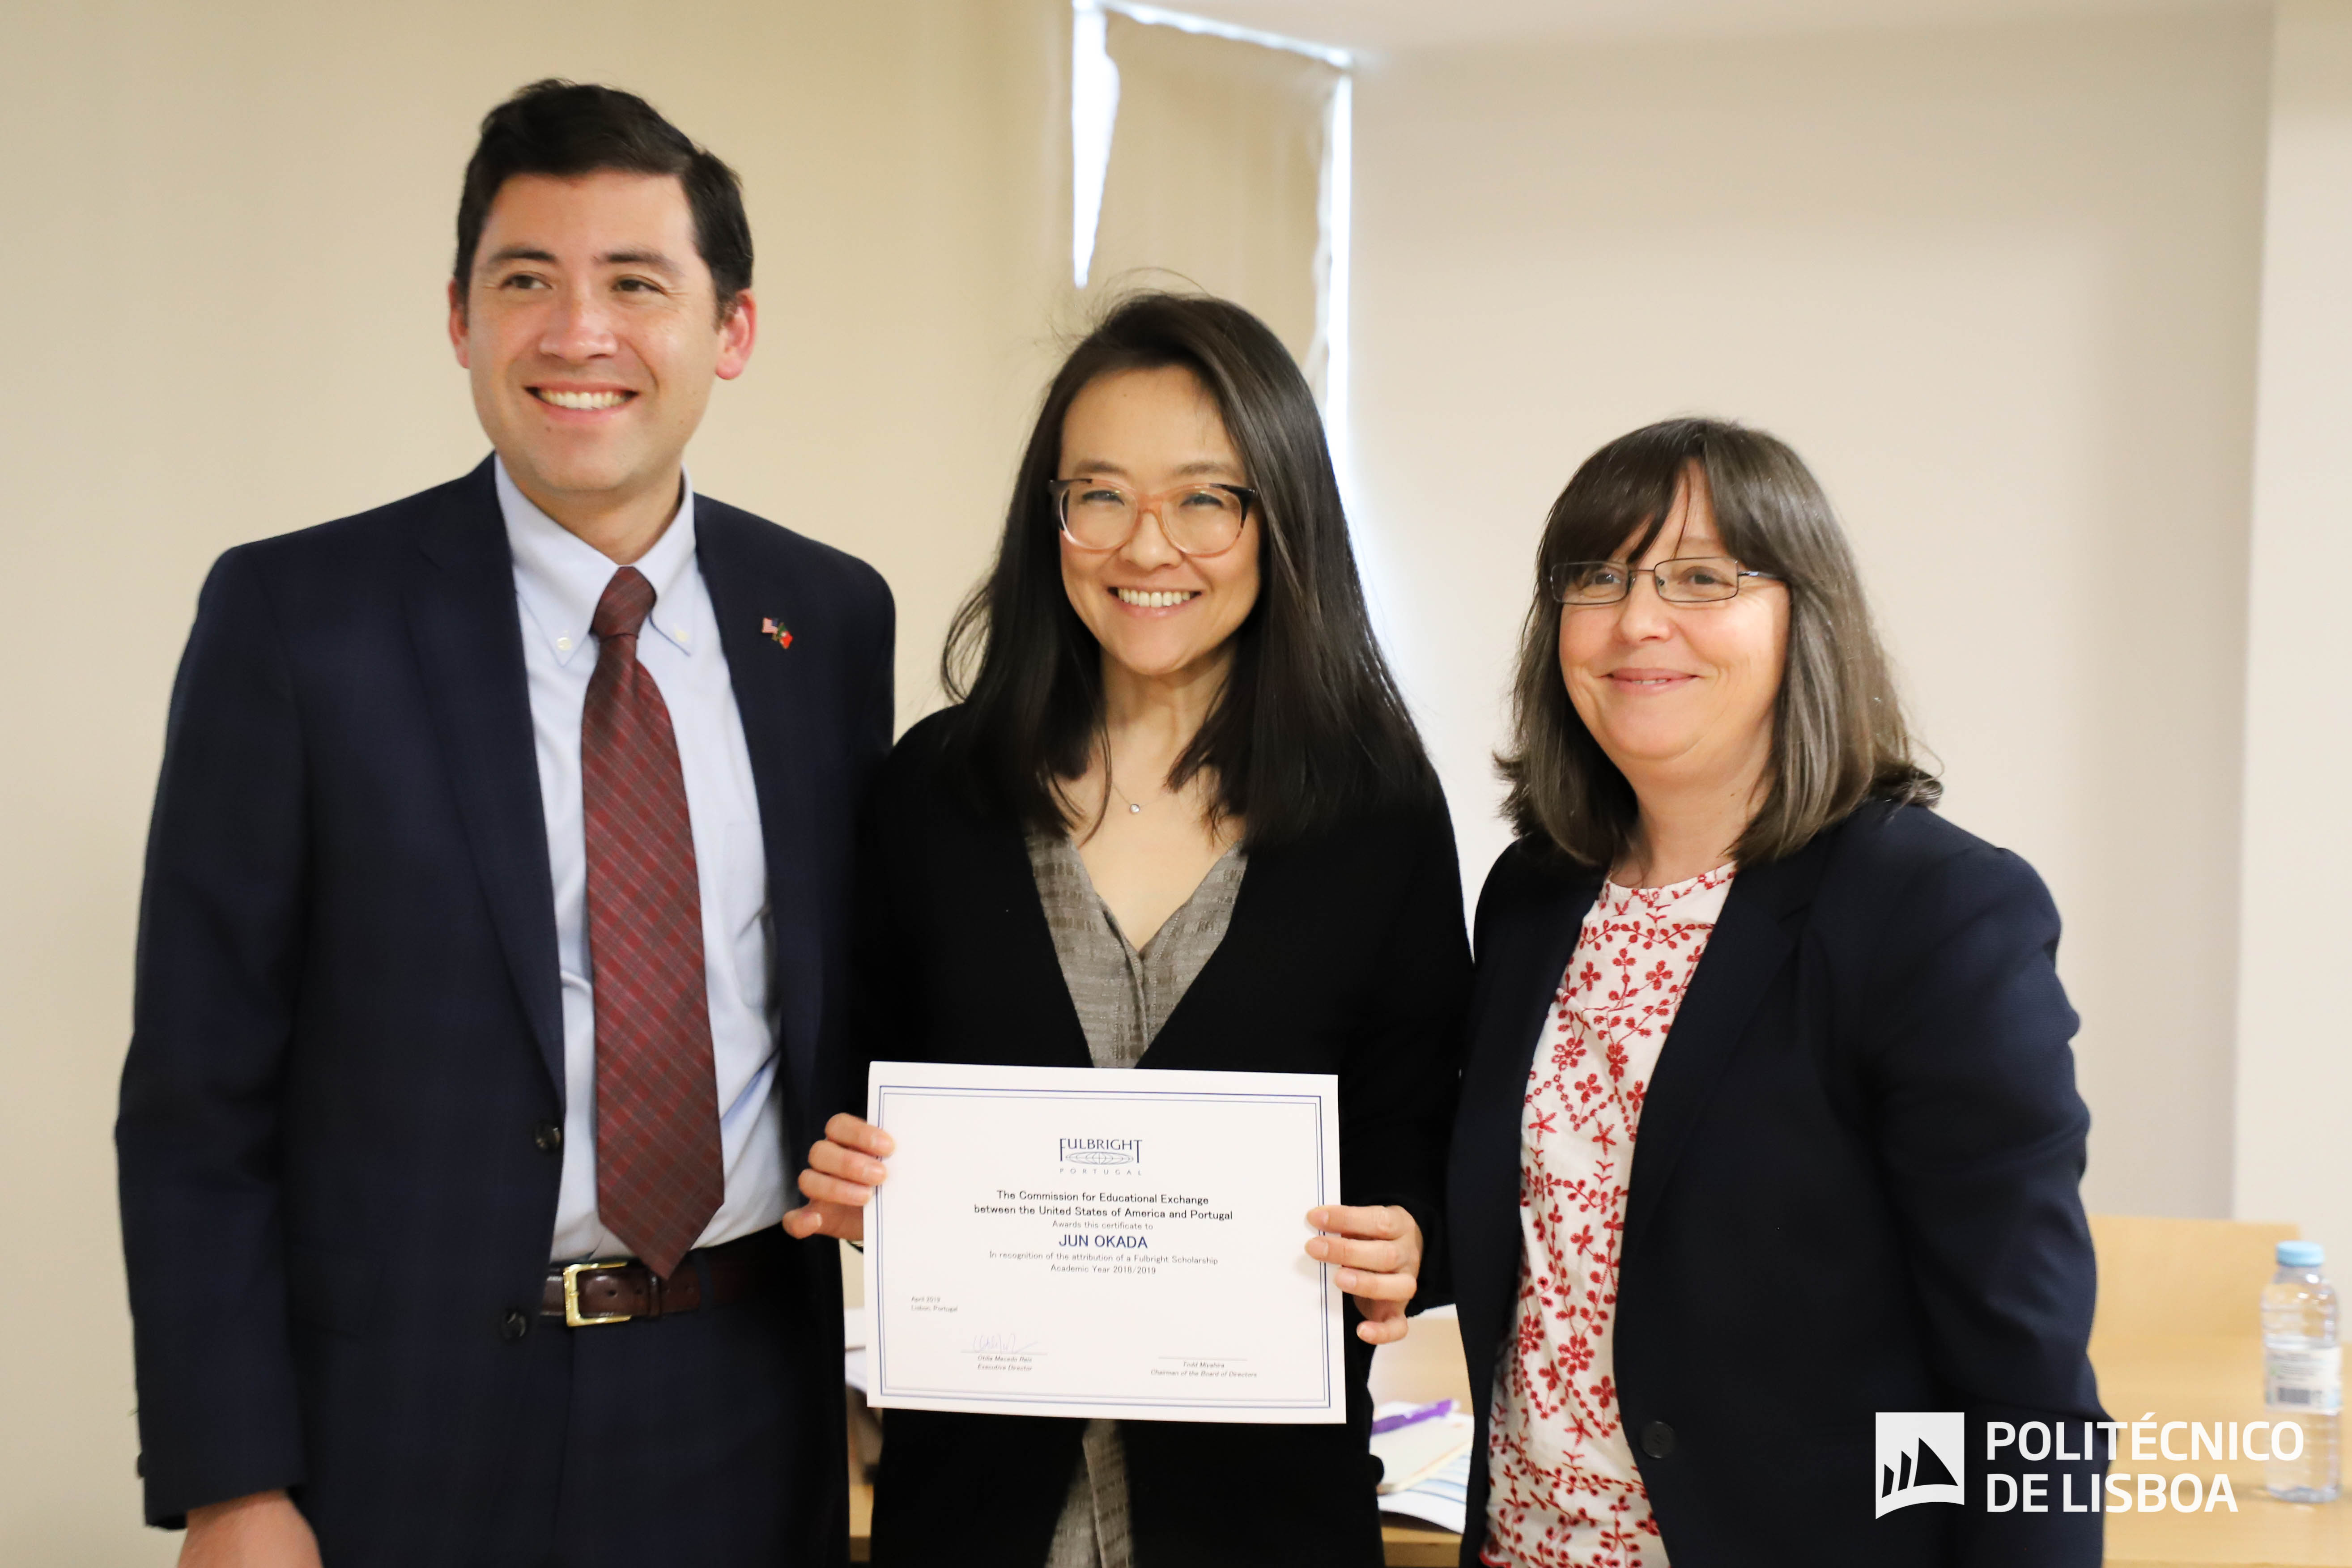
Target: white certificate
x,y
1128,1243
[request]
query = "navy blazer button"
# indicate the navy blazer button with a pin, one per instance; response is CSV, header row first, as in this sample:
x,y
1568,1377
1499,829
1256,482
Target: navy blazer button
x,y
1658,1440
513,1326
549,1136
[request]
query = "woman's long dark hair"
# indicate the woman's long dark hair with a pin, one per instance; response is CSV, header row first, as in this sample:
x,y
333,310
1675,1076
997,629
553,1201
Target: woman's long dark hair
x,y
1309,727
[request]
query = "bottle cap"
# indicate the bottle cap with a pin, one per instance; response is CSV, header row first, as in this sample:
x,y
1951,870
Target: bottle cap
x,y
2302,1254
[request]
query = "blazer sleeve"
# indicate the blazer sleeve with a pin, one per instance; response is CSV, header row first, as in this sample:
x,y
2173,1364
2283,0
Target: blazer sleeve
x,y
875,983
220,939
1980,1133
877,712
1398,1088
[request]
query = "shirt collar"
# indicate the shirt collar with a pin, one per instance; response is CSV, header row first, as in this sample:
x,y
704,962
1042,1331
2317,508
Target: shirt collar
x,y
560,576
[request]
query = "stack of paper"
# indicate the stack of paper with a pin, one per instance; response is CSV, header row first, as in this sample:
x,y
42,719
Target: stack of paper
x,y
1441,1499
1425,1454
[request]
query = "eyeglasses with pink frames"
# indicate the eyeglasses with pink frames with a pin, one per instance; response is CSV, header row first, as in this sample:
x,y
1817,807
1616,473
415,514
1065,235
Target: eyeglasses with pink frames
x,y
1199,519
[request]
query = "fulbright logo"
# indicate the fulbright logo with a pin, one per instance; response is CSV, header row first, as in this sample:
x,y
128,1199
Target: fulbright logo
x,y
1100,1152
1922,1458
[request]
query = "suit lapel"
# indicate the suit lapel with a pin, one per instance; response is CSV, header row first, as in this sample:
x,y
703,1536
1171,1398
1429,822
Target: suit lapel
x,y
1525,948
1752,941
772,695
1526,977
468,639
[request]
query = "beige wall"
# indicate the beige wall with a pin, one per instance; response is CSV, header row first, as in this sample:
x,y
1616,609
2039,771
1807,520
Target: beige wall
x,y
1998,285
228,228
2295,1073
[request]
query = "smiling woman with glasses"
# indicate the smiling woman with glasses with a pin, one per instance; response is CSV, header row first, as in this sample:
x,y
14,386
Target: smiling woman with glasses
x,y
1768,1120
1178,820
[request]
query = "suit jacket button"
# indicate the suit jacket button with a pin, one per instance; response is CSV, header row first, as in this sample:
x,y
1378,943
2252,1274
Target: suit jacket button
x,y
513,1326
549,1136
1658,1440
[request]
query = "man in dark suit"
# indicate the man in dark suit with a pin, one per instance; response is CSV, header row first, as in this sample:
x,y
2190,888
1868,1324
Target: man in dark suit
x,y
491,953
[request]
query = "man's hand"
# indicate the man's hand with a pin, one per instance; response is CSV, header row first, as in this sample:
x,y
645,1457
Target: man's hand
x,y
264,1531
1378,1251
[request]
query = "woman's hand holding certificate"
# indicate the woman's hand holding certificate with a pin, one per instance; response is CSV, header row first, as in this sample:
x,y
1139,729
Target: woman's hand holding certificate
x,y
1378,1251
839,1182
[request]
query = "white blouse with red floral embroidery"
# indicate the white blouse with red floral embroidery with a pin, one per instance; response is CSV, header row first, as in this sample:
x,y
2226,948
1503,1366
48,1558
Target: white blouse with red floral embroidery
x,y
1564,1491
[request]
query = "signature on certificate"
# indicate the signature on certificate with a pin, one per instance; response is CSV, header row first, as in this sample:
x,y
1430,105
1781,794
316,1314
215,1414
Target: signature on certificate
x,y
1004,1343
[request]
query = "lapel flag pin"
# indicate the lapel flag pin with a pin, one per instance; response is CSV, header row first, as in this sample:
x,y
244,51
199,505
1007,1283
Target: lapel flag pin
x,y
769,628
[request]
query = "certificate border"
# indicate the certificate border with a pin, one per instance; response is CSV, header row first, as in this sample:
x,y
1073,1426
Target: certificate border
x,y
878,1339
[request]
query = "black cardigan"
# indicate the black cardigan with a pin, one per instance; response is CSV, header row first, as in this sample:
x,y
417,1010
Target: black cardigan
x,y
1346,955
1854,1189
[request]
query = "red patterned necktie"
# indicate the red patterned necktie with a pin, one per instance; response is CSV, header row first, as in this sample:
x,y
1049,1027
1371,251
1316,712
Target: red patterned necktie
x,y
658,1173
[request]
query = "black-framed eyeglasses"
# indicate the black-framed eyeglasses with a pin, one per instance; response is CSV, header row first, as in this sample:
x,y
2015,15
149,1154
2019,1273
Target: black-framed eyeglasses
x,y
1198,519
1690,580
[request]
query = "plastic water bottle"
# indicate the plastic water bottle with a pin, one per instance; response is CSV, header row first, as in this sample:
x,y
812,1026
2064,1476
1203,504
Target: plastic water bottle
x,y
2303,1373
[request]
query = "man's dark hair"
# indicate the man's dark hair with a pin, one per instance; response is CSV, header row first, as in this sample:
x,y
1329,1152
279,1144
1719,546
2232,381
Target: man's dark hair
x,y
566,129
1308,729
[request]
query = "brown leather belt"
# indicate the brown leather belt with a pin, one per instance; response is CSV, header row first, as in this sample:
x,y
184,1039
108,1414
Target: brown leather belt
x,y
621,1289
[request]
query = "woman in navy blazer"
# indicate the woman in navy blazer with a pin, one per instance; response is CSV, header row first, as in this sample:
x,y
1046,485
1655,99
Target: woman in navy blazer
x,y
1827,1142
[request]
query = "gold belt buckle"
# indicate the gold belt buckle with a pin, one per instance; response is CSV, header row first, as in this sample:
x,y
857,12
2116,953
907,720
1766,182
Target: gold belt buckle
x,y
572,1316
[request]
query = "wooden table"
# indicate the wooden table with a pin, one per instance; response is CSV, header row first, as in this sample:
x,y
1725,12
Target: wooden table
x,y
2208,1378
1410,1548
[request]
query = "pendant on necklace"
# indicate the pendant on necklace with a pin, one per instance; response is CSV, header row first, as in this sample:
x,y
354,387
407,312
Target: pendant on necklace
x,y
1133,809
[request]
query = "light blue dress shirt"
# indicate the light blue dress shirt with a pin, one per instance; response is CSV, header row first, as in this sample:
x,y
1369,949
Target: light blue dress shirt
x,y
558,578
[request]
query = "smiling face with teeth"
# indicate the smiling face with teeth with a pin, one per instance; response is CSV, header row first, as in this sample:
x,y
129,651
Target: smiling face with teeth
x,y
590,329
1160,615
